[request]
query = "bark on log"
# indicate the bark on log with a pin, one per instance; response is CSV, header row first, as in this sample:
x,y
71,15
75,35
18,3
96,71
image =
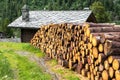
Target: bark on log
x,y
104,29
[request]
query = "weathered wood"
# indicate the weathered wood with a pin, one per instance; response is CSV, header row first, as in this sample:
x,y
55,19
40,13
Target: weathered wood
x,y
113,44
111,47
112,37
101,25
104,29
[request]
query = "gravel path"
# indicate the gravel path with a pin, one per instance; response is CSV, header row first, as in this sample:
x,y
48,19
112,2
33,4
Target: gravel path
x,y
40,62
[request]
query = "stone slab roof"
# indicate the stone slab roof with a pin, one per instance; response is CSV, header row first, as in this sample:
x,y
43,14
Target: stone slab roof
x,y
38,18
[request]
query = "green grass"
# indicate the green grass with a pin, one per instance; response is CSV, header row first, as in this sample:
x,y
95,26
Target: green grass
x,y
6,72
14,66
65,73
20,47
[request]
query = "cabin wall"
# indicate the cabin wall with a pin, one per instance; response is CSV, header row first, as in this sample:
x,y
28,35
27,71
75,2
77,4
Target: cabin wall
x,y
27,34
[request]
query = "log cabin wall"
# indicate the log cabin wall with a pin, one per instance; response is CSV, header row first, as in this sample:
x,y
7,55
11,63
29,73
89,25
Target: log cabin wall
x,y
27,34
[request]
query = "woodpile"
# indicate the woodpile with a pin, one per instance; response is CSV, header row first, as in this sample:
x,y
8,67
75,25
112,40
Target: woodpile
x,y
93,50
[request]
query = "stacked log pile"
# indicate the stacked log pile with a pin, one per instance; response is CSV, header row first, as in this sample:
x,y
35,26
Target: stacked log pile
x,y
83,48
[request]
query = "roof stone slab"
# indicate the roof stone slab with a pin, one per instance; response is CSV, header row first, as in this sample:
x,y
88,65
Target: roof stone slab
x,y
38,18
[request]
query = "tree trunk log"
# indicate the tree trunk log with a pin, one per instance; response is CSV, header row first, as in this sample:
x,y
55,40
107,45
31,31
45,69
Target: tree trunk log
x,y
95,52
111,72
105,75
106,64
116,64
117,75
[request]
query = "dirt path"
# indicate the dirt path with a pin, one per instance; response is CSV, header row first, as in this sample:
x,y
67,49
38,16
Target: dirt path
x,y
40,62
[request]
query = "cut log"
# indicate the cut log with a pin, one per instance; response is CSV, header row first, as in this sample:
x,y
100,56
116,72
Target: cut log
x,y
111,37
102,38
105,75
101,67
89,60
89,45
96,68
84,60
70,64
117,75
65,63
94,72
97,62
111,58
96,77
95,52
92,76
95,40
111,72
84,72
111,47
101,24
112,51
113,44
106,33
101,57
100,47
91,69
106,64
116,64
88,32
88,75
79,67
87,67
104,29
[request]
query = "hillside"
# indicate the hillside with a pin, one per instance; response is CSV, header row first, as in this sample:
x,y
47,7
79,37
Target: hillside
x,y
108,10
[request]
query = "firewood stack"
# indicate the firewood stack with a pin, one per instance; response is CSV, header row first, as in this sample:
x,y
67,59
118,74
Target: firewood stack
x,y
90,49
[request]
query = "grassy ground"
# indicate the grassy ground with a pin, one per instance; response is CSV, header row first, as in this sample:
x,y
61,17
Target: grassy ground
x,y
66,74
14,66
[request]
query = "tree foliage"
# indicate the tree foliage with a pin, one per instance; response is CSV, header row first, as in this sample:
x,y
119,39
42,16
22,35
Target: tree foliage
x,y
104,10
100,12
